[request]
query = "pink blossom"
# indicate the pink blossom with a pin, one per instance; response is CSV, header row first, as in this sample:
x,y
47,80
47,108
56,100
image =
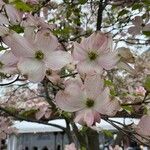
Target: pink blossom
x,y
5,128
139,26
35,21
140,90
143,127
88,100
70,147
95,53
37,56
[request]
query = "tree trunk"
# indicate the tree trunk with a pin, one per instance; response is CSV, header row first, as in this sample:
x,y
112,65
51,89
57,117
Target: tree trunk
x,y
93,139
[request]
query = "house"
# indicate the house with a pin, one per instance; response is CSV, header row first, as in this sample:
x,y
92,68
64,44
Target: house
x,y
35,136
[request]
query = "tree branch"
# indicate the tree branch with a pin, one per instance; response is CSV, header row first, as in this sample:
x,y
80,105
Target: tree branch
x,y
100,14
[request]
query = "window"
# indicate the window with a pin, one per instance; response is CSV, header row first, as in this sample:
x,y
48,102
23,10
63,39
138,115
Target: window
x,y
58,147
26,148
35,148
45,148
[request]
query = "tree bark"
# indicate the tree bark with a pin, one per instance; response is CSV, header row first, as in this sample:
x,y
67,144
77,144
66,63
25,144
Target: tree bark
x,y
93,139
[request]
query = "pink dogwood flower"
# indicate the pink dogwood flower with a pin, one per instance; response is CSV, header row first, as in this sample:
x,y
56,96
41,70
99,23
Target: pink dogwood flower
x,y
95,53
37,56
138,26
140,90
88,100
70,147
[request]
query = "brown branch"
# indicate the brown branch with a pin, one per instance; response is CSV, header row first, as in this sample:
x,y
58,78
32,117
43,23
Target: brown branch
x,y
100,14
21,118
5,84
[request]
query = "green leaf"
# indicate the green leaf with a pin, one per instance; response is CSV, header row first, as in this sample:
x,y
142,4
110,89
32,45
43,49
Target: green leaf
x,y
147,83
20,5
123,12
112,92
28,113
17,28
11,109
107,133
137,6
83,148
147,33
2,48
108,83
146,2
82,1
129,109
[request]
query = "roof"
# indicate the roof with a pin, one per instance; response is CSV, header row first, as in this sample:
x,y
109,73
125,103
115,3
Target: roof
x,y
29,127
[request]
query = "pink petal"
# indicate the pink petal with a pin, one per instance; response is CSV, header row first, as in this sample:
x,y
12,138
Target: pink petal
x,y
101,42
9,62
3,31
32,68
48,114
112,107
127,67
143,128
13,14
1,3
29,21
108,61
93,85
8,58
57,59
89,67
45,41
20,46
3,20
137,21
135,30
9,70
79,53
54,77
39,114
29,33
68,103
89,117
101,100
73,87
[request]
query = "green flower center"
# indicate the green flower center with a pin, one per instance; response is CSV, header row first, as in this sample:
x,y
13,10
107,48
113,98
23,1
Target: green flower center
x,y
39,55
89,103
92,56
1,65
